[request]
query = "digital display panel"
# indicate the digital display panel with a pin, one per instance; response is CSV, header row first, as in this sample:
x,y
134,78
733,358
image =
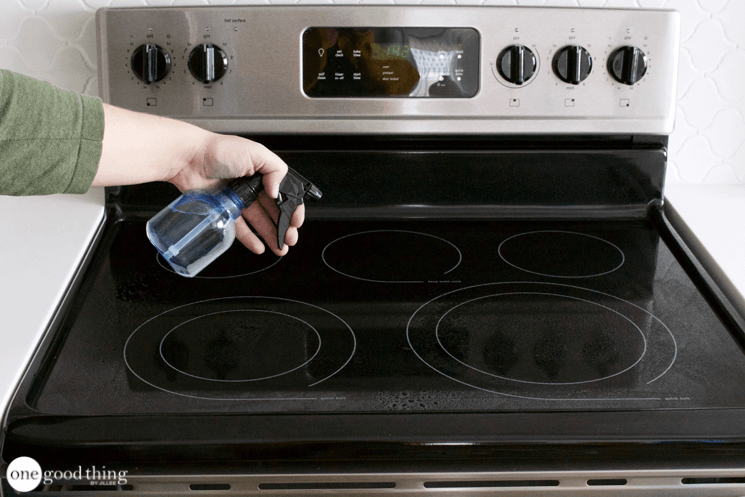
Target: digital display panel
x,y
390,62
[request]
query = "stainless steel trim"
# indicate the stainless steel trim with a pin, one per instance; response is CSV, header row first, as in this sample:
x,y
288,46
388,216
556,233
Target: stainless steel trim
x,y
422,126
570,483
102,58
261,93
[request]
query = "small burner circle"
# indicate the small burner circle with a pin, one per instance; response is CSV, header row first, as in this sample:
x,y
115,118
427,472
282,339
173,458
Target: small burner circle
x,y
397,252
220,342
561,254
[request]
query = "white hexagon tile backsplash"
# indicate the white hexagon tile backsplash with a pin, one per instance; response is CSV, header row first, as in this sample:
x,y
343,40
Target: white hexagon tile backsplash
x,y
55,40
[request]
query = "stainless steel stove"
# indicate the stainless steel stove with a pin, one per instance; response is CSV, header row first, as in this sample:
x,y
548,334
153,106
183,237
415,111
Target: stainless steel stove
x,y
489,299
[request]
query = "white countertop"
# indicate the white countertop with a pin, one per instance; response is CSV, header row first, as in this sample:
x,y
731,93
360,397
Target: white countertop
x,y
44,240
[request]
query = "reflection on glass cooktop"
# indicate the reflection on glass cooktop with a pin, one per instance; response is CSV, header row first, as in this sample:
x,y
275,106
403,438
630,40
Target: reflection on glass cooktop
x,y
398,316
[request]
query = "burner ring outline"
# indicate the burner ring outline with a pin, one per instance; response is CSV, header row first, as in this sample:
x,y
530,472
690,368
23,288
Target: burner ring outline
x,y
623,256
129,367
644,339
160,348
323,254
160,260
413,349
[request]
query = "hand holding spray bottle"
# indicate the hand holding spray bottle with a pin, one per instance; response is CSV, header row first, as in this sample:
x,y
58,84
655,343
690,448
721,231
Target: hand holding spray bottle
x,y
196,228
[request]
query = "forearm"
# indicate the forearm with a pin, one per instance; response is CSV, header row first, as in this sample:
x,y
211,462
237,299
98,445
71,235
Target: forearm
x,y
138,148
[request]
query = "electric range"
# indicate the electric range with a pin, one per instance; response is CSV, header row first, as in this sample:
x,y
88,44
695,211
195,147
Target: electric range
x,y
488,297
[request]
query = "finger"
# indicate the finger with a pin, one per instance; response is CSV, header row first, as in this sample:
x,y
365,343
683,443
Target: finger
x,y
271,207
264,226
244,235
298,216
271,166
291,235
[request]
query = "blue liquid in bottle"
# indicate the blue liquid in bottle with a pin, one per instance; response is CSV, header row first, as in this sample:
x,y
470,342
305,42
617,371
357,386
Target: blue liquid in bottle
x,y
196,228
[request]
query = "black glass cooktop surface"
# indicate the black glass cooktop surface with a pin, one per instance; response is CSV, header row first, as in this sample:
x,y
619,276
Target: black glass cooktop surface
x,y
378,316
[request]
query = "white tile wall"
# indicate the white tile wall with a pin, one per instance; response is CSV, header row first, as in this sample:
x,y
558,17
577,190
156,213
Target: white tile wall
x,y
55,40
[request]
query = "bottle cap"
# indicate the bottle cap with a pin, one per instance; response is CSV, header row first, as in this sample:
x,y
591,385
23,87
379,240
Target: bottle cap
x,y
247,189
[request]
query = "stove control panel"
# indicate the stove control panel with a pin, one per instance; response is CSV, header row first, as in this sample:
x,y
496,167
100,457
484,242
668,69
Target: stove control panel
x,y
403,70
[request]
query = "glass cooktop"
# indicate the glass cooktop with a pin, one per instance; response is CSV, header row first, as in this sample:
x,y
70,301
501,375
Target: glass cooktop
x,y
400,316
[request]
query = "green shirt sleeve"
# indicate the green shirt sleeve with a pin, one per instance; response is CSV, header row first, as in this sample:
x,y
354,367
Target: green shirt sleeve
x,y
50,139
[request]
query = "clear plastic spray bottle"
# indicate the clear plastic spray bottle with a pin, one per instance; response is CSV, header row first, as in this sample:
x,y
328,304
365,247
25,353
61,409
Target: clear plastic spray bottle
x,y
196,228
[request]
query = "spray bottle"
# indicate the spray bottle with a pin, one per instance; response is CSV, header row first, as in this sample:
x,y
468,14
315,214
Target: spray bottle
x,y
196,228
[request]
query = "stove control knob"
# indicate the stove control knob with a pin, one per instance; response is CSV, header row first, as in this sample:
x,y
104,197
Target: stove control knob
x,y
627,65
516,64
208,63
150,63
572,64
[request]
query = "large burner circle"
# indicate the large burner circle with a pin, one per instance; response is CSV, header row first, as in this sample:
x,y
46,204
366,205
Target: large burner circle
x,y
240,348
236,346
521,337
561,254
391,256
542,341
